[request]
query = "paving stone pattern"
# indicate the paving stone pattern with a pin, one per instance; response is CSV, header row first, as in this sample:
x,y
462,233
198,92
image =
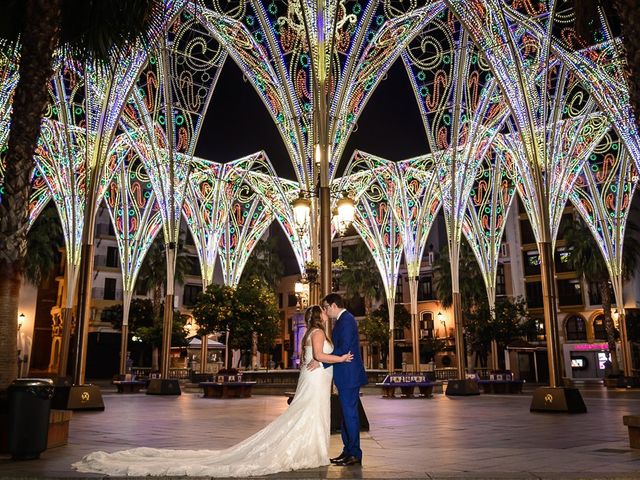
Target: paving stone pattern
x,y
488,436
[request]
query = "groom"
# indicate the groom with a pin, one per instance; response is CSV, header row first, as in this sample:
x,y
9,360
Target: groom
x,y
348,377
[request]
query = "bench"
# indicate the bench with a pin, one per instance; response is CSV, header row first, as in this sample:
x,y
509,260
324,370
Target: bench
x,y
633,424
129,383
407,385
227,389
129,386
501,386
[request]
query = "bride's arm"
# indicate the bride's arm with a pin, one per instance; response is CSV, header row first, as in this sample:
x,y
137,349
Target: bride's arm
x,y
317,342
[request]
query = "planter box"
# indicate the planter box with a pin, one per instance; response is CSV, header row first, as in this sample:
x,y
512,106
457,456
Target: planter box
x,y
58,434
58,428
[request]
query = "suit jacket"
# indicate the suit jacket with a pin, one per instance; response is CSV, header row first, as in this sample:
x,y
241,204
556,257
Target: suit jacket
x,y
346,339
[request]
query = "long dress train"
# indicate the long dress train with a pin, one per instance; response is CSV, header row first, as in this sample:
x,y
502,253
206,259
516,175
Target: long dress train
x,y
297,439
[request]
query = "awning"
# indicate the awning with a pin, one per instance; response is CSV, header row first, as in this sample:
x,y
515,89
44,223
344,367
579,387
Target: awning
x,y
197,342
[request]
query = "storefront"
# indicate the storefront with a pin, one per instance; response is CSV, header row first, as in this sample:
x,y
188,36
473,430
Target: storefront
x,y
586,360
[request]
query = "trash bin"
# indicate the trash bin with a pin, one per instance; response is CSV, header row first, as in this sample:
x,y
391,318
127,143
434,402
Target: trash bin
x,y
29,408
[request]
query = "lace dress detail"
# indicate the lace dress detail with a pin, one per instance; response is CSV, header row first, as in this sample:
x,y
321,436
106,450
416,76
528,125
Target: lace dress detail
x,y
297,439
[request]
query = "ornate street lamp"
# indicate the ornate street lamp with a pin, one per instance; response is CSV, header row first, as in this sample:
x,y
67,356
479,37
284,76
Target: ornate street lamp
x,y
301,290
341,216
301,212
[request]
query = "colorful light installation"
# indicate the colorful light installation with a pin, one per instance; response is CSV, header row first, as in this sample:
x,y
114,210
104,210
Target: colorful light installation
x,y
76,157
376,223
249,218
547,102
462,111
488,206
286,48
278,193
8,80
136,221
210,193
162,119
602,195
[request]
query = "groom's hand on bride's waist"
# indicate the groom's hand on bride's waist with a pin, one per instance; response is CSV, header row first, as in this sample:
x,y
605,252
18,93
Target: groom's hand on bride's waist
x,y
313,364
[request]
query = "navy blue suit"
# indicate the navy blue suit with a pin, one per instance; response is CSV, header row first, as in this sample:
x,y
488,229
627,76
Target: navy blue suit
x,y
348,377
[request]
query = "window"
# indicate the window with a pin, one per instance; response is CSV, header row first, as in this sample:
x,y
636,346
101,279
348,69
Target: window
x,y
562,260
595,295
280,300
399,291
112,257
531,261
398,333
501,284
292,300
425,288
599,331
109,289
569,292
539,335
110,229
190,294
426,325
526,232
575,327
140,290
534,294
194,265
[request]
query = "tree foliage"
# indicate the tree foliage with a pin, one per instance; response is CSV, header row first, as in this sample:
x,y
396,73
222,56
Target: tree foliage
x,y
508,321
44,241
145,325
375,326
250,307
140,314
359,276
264,264
472,289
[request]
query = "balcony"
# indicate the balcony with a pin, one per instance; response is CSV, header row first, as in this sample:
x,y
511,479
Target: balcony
x,y
106,261
99,293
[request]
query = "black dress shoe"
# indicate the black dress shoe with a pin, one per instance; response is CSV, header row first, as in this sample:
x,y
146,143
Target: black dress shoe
x,y
339,458
350,460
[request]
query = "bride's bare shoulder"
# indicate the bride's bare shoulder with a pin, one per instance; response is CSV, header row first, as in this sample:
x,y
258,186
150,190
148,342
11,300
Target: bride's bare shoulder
x,y
317,332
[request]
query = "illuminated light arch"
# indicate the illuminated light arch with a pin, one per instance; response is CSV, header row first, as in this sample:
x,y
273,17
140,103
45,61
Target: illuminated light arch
x,y
136,222
375,221
602,196
488,207
462,111
278,47
248,220
162,121
209,196
546,98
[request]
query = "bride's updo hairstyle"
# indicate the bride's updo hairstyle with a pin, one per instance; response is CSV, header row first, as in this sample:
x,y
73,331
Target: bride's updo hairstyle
x,y
313,321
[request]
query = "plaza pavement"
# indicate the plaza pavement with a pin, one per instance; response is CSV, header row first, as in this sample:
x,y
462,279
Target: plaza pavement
x,y
490,436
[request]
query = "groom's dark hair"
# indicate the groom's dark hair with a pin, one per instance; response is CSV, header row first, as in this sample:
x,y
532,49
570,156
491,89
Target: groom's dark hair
x,y
334,298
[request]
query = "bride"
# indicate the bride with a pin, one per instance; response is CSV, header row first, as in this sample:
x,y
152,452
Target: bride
x,y
297,439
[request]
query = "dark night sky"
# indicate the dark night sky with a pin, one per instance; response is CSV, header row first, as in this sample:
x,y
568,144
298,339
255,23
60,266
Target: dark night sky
x,y
237,123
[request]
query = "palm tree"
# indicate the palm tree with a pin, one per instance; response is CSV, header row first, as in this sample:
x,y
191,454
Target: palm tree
x,y
264,264
587,260
33,29
361,278
153,277
472,289
44,241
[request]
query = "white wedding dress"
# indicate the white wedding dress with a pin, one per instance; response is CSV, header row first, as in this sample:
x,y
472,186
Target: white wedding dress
x,y
297,439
